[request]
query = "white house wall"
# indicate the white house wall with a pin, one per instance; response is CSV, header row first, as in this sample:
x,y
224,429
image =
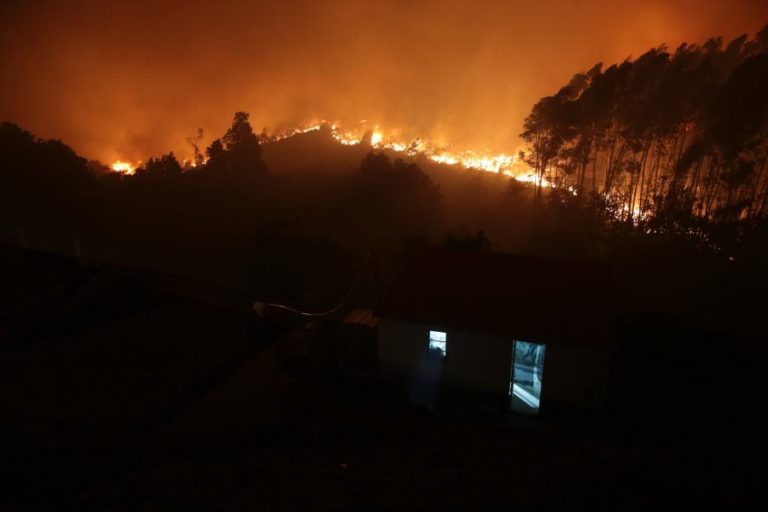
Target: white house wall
x,y
475,362
574,377
479,363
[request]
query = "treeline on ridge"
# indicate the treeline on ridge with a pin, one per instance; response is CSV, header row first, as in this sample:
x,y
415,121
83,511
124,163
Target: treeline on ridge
x,y
673,141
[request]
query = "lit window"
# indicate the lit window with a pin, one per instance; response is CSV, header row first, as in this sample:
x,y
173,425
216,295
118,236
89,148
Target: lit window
x,y
437,342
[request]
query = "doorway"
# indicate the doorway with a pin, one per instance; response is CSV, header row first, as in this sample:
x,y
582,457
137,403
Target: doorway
x,y
526,377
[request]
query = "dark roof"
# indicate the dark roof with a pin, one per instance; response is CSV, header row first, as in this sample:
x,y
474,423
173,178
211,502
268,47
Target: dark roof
x,y
525,297
362,317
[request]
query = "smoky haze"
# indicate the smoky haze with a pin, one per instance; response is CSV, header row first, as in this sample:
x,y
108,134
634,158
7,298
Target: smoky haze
x,y
133,79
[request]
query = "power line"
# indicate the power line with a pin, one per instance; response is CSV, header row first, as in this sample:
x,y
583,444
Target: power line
x,y
260,307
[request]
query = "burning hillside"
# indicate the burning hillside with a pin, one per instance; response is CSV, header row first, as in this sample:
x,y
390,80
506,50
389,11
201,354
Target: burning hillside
x,y
368,136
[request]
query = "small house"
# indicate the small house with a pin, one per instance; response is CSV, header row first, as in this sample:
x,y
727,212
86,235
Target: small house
x,y
536,333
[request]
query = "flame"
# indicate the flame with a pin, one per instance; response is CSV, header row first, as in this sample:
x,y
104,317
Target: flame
x,y
506,164
123,167
531,177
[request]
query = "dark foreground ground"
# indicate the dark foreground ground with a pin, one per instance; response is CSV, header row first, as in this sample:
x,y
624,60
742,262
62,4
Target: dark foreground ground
x,y
126,391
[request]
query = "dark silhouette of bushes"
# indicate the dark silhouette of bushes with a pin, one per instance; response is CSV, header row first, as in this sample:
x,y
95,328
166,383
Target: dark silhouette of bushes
x,y
42,182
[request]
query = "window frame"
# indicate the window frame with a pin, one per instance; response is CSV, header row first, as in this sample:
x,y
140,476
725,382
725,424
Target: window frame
x,y
437,341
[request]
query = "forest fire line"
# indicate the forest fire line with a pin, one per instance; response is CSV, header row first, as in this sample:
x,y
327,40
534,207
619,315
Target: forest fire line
x,y
506,164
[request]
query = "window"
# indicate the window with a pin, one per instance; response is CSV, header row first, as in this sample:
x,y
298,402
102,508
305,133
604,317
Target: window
x,y
527,372
437,342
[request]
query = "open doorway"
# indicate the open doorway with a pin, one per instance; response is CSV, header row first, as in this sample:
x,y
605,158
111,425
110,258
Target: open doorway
x,y
428,372
526,377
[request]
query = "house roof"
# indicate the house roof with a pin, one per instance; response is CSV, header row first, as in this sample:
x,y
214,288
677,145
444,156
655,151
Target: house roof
x,y
525,297
363,317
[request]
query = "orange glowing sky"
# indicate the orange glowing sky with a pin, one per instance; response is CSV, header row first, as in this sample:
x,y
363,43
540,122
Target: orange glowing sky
x,y
127,80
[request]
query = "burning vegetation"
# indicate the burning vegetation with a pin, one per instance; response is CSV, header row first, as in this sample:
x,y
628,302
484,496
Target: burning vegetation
x,y
123,167
674,140
377,138
669,146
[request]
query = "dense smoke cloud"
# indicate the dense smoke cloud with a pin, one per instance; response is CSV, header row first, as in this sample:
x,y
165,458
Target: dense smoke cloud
x,y
134,79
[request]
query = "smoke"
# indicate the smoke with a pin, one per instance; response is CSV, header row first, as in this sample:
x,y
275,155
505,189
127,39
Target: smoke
x,y
137,78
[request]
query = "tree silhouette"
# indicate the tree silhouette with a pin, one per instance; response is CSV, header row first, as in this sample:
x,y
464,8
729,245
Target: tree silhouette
x,y
166,167
217,156
672,142
242,147
41,180
195,143
238,152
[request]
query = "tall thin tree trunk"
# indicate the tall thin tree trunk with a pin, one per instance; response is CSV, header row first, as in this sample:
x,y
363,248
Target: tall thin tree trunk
x,y
642,177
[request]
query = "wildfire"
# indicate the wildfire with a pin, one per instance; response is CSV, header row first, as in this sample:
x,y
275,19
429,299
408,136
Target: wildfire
x,y
530,177
123,167
507,164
